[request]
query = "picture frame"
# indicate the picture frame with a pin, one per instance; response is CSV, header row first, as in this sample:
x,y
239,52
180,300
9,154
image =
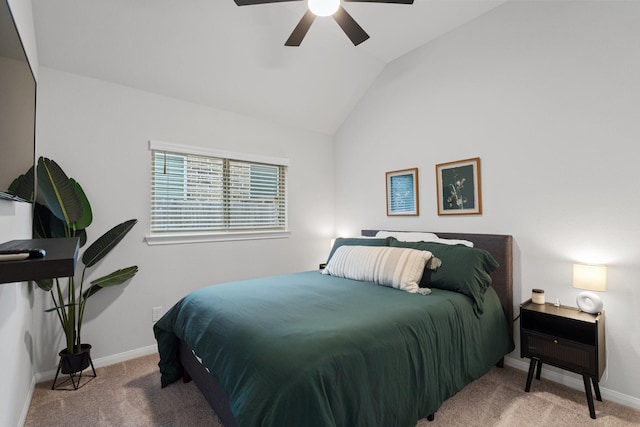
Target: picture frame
x,y
402,193
458,187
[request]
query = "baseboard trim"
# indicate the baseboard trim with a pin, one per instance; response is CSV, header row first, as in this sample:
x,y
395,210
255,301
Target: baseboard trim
x,y
574,381
104,361
27,402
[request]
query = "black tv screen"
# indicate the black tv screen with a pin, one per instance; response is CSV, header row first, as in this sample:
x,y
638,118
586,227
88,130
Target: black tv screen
x,y
17,104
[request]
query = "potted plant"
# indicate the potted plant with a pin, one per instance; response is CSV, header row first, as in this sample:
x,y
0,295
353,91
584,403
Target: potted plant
x,y
61,209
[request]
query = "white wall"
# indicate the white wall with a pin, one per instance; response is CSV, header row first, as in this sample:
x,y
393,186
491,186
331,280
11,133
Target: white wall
x,y
16,299
16,302
547,94
23,16
99,132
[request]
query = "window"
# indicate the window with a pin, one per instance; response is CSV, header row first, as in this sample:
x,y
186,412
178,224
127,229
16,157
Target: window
x,y
197,191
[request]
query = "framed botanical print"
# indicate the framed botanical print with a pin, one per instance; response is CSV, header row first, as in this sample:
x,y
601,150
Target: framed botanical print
x,y
458,187
402,192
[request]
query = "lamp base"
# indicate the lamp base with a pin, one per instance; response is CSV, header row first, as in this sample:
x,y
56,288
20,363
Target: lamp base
x,y
589,302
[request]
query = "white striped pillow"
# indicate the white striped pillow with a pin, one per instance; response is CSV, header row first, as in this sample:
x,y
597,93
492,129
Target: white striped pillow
x,y
400,268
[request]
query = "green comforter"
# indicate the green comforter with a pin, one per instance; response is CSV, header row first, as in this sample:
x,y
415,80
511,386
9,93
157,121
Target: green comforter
x,y
308,349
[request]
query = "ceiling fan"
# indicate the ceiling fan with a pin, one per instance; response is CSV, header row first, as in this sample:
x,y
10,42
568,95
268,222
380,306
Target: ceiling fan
x,y
325,8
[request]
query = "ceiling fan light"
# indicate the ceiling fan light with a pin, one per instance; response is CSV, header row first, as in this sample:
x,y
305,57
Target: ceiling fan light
x,y
324,7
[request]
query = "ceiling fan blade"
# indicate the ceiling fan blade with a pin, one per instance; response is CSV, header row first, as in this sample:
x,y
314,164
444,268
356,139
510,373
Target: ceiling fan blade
x,y
301,29
350,26
251,2
383,1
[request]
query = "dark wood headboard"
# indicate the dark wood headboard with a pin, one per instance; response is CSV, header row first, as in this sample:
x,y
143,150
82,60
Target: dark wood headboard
x,y
501,248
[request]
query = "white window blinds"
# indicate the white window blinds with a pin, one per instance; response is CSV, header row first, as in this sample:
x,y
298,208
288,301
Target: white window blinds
x,y
195,192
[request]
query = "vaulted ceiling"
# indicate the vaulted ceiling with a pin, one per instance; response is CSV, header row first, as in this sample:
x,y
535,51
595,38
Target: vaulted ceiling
x,y
215,53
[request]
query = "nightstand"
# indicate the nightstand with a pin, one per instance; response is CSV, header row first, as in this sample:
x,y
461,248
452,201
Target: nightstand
x,y
567,338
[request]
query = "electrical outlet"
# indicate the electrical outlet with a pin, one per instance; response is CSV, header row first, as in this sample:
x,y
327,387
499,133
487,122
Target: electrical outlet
x,y
156,314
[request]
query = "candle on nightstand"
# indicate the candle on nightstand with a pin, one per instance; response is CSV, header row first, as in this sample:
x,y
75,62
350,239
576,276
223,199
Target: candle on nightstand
x,y
537,296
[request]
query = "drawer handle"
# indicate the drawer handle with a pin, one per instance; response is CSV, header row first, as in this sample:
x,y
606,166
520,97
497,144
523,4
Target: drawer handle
x,y
555,341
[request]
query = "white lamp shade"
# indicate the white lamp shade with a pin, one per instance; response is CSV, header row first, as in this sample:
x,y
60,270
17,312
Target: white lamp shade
x,y
590,277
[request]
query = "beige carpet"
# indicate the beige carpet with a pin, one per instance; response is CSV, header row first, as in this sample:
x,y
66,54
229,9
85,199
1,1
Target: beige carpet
x,y
129,394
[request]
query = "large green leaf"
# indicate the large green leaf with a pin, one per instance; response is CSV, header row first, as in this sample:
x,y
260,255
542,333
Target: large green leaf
x,y
82,235
101,247
24,186
42,221
118,277
57,228
45,284
47,226
57,192
87,215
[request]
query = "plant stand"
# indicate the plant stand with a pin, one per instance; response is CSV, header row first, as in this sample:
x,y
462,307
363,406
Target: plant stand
x,y
74,364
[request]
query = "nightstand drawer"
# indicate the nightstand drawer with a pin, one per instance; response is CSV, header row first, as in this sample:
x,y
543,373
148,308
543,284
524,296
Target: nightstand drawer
x,y
563,353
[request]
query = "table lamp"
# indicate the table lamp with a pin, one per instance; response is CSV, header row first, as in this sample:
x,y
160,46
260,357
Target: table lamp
x,y
591,278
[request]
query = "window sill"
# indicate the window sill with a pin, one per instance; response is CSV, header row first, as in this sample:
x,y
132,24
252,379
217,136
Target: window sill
x,y
181,238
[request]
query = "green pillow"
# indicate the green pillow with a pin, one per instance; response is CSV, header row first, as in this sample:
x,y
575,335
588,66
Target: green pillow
x,y
357,241
465,270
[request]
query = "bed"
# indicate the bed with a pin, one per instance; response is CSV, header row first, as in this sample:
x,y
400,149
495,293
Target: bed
x,y
317,349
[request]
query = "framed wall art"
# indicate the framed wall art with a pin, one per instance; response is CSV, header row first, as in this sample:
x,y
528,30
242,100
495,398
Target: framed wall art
x,y
402,192
458,187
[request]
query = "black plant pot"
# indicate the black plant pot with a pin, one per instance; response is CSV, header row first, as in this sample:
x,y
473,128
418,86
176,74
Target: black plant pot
x,y
71,363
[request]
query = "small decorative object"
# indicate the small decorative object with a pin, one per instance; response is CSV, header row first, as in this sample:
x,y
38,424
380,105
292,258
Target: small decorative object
x,y
591,278
402,192
458,187
537,296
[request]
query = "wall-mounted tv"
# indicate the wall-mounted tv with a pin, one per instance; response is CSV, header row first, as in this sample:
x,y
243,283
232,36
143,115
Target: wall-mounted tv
x,y
17,105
